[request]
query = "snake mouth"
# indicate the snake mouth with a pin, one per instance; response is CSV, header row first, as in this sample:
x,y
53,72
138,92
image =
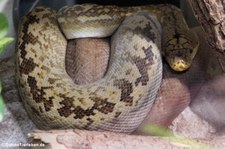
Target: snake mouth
x,y
180,64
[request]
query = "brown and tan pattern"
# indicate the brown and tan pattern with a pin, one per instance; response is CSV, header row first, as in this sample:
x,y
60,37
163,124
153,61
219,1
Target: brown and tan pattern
x,y
91,20
172,98
116,102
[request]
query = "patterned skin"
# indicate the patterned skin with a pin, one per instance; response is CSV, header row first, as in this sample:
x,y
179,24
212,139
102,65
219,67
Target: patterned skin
x,y
118,102
179,44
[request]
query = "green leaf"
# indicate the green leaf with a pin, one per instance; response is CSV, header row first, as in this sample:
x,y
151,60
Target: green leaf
x,y
167,134
189,143
0,87
3,25
2,106
4,41
156,130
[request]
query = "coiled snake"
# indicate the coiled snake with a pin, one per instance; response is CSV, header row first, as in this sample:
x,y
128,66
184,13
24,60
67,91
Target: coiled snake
x,y
119,101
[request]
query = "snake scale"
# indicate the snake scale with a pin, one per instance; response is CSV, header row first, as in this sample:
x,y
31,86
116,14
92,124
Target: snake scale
x,y
122,98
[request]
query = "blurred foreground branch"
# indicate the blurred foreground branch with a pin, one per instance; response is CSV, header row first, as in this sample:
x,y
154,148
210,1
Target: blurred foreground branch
x,y
82,139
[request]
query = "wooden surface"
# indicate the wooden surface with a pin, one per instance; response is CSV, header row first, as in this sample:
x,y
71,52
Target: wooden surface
x,y
211,16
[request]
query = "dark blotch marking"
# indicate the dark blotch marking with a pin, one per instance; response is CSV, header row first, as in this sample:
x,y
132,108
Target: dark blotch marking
x,y
177,36
126,90
80,113
143,65
38,94
67,103
26,66
27,36
102,105
147,32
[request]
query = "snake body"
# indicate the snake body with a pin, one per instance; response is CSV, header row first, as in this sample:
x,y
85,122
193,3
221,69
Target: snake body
x,y
119,101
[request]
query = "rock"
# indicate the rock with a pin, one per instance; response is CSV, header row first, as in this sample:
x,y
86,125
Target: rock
x,y
190,125
87,59
210,102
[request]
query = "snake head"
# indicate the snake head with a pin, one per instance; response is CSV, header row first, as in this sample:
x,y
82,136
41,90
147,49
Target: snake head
x,y
180,49
179,59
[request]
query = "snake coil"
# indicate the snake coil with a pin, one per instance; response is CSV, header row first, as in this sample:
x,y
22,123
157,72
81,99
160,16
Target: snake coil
x,y
121,100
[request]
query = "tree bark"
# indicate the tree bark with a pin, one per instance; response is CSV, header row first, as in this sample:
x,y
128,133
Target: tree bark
x,y
211,16
82,139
